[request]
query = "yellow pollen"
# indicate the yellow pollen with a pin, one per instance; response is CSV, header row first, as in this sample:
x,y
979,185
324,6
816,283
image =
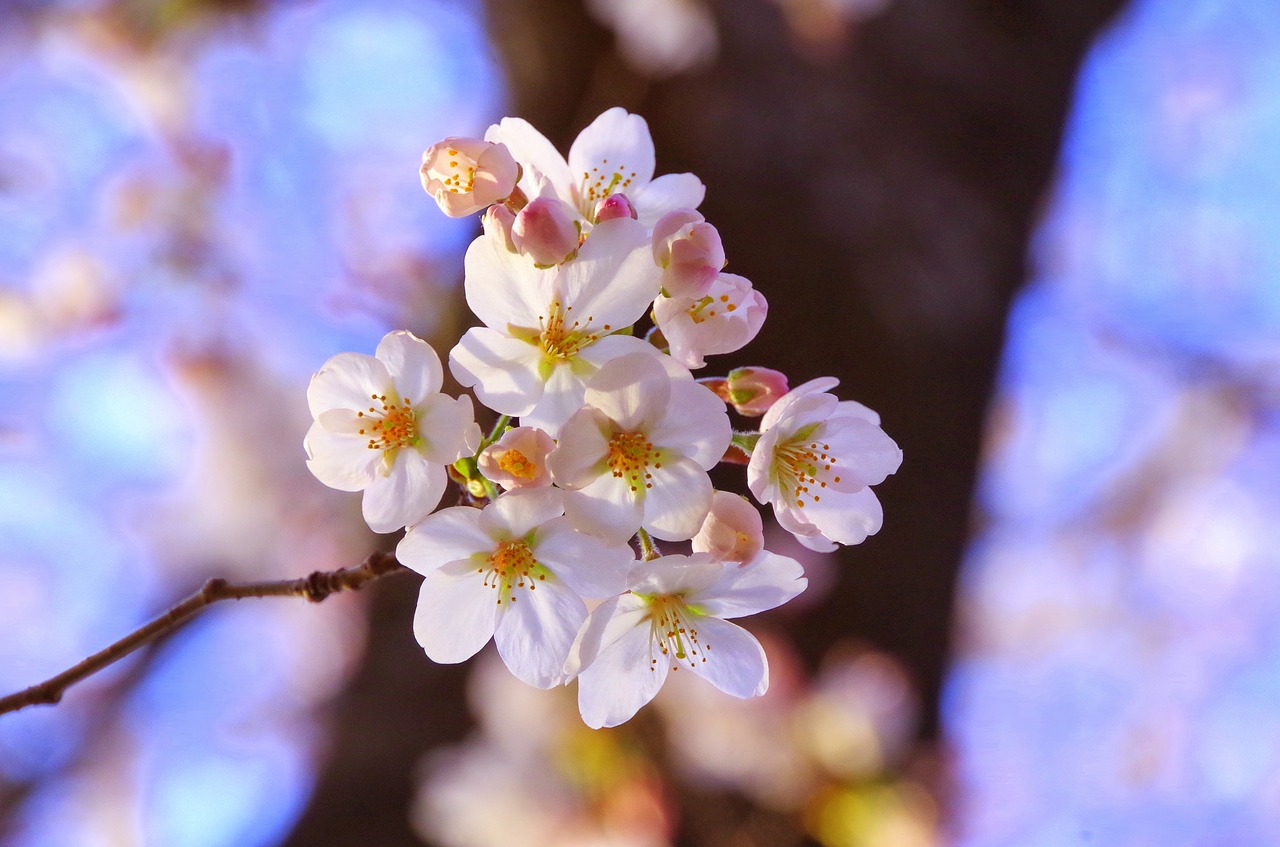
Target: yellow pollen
x,y
672,627
630,454
391,426
561,339
511,566
799,466
517,464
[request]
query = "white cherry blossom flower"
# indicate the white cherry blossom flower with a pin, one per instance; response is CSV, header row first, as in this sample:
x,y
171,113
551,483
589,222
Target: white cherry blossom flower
x,y
815,462
516,572
637,453
518,459
465,175
673,617
725,319
382,427
614,155
546,331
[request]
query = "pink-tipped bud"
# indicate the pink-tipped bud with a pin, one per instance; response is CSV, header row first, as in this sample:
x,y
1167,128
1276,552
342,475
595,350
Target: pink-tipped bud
x,y
518,459
751,391
497,222
615,206
689,251
732,530
465,175
546,231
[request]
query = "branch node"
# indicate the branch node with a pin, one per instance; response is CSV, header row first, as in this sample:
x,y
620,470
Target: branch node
x,y
318,586
213,588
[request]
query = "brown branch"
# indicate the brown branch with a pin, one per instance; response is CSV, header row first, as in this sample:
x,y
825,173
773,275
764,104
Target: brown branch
x,y
314,588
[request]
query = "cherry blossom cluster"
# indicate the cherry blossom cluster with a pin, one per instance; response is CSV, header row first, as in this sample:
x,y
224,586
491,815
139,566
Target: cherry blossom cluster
x,y
615,436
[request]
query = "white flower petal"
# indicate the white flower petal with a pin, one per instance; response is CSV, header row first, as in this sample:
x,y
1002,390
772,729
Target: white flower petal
x,y
621,679
449,535
615,346
413,365
447,427
340,460
846,518
854,409
537,629
588,565
760,467
698,424
813,386
633,390
406,495
504,288
817,542
614,279
689,575
502,370
538,155
614,153
734,660
346,382
766,582
666,194
863,449
608,622
456,614
561,397
580,456
679,500
517,513
606,508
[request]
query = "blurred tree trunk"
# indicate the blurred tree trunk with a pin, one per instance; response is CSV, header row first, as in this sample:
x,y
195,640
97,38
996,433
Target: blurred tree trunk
x,y
881,197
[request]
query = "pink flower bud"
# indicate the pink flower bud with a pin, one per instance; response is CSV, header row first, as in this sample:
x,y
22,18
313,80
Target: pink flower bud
x,y
689,251
497,222
751,391
615,206
465,175
732,530
546,231
518,459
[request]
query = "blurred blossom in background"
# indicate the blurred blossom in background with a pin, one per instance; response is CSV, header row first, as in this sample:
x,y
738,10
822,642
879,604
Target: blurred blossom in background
x,y
199,203
1118,679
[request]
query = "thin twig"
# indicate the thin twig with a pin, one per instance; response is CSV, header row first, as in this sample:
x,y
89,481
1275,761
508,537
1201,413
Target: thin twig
x,y
314,588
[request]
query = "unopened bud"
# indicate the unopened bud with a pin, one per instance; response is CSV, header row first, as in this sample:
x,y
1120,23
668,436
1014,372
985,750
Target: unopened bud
x,y
546,231
751,391
518,459
465,175
615,206
497,222
689,251
732,530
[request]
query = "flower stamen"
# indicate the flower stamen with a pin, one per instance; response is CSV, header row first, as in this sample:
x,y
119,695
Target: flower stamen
x,y
391,426
671,626
512,566
630,454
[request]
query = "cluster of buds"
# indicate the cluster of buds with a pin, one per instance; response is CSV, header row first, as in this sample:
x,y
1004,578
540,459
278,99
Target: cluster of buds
x,y
615,436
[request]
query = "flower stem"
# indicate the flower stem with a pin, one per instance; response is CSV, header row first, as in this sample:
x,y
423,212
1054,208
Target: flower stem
x,y
496,432
647,548
746,441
